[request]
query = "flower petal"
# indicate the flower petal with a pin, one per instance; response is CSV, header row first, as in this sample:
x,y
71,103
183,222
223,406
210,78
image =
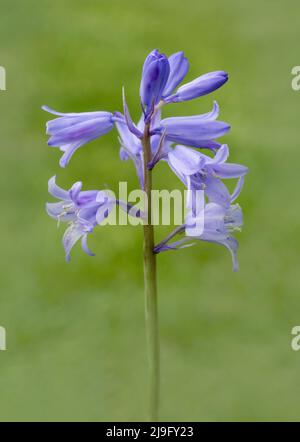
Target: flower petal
x,y
230,170
155,74
232,245
234,217
203,85
217,192
71,236
85,247
214,218
57,211
238,189
69,150
193,131
86,198
221,156
83,131
57,191
179,67
75,190
213,114
186,161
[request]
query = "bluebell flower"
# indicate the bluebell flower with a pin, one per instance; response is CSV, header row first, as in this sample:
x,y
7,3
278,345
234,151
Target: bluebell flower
x,y
199,131
83,210
72,130
203,85
201,172
155,75
219,225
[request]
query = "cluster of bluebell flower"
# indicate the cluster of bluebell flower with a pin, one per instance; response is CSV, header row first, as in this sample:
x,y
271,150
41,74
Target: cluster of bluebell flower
x,y
175,140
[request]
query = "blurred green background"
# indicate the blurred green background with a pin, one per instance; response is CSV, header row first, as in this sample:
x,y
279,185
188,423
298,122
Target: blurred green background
x,y
75,333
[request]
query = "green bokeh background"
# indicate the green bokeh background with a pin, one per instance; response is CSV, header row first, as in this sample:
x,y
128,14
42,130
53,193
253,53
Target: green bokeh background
x,y
75,333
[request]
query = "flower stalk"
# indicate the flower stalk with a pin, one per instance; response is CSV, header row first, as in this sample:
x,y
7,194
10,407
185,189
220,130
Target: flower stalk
x,y
151,311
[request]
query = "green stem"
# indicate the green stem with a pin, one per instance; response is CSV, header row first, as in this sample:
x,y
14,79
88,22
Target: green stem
x,y
150,287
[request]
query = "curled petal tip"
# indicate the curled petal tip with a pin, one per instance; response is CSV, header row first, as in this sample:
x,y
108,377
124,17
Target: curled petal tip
x,y
85,247
47,109
51,111
63,163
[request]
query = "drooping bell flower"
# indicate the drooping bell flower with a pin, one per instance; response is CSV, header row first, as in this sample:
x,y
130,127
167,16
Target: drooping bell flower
x,y
199,131
201,172
203,85
83,210
217,225
70,131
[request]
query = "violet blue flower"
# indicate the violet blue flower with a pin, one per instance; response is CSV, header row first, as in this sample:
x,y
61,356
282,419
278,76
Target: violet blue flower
x,y
219,223
199,131
155,75
82,209
72,130
201,172
203,85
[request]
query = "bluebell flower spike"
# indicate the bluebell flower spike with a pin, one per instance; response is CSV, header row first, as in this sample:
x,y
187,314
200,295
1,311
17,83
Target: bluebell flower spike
x,y
179,141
